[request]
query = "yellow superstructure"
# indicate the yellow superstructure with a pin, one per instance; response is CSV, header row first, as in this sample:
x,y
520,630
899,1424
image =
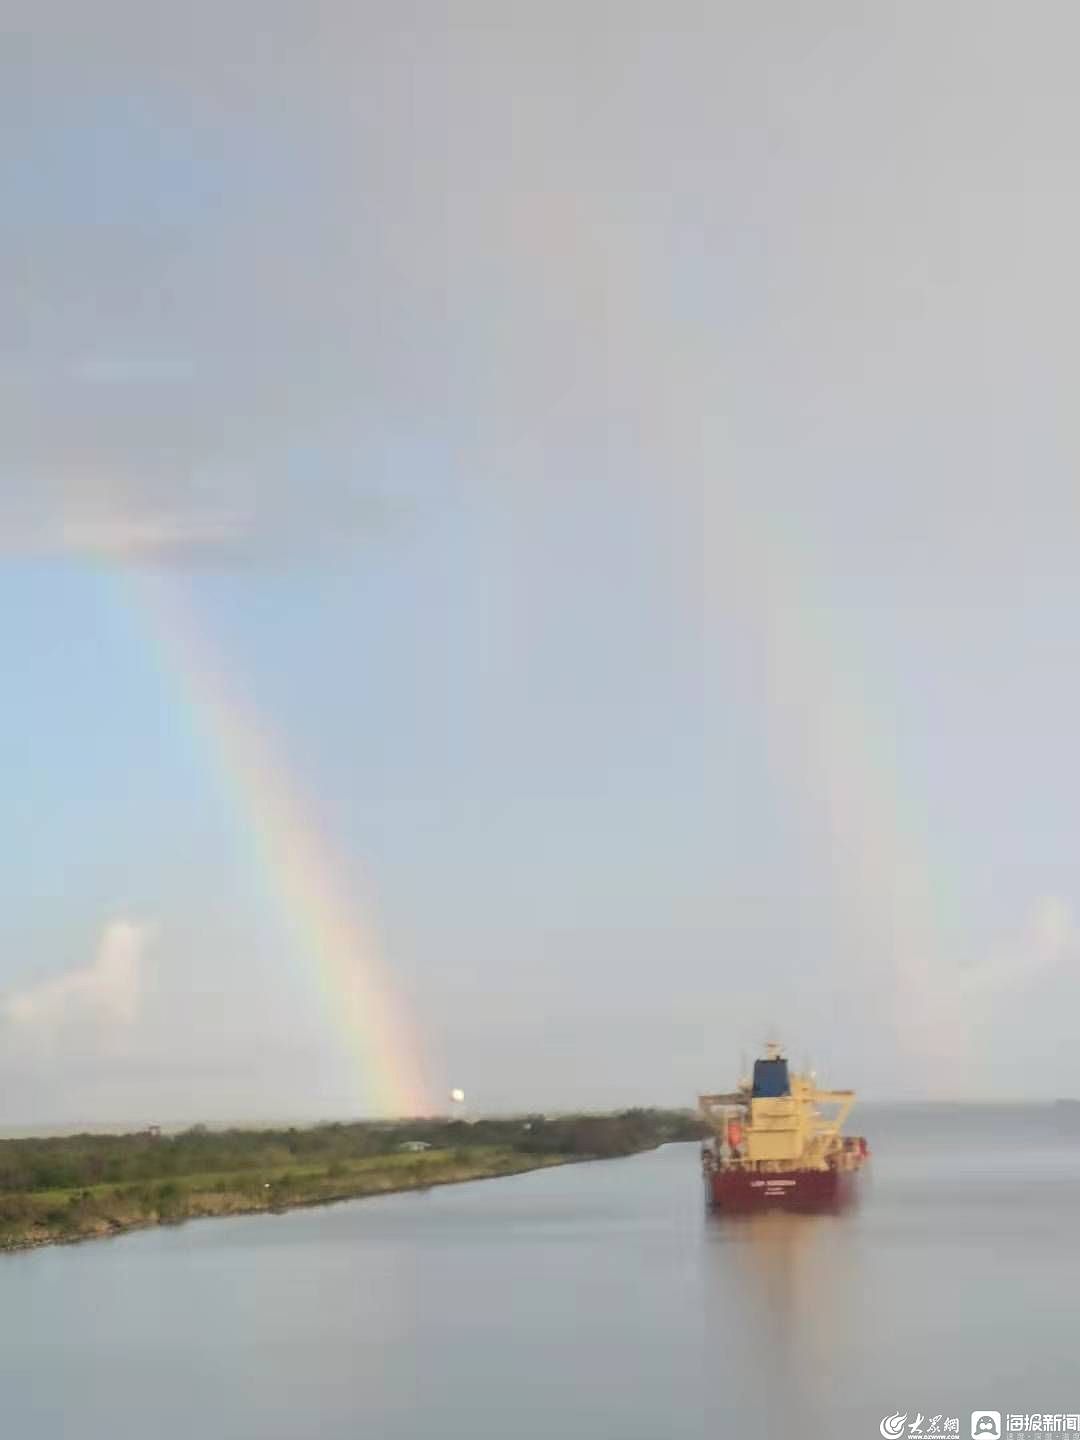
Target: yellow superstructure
x,y
781,1121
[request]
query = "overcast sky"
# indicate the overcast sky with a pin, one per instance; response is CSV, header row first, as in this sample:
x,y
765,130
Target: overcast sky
x,y
626,456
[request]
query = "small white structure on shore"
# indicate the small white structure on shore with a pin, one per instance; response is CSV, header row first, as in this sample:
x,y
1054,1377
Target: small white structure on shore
x,y
412,1147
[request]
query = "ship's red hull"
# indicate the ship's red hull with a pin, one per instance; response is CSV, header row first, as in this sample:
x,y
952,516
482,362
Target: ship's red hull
x,y
738,1191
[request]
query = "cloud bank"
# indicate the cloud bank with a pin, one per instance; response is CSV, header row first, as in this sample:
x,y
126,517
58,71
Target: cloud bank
x,y
100,997
1049,937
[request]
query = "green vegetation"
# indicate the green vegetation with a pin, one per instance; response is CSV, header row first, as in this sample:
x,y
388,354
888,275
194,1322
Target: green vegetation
x,y
78,1186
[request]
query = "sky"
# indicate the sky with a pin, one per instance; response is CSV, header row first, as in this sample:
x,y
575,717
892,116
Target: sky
x,y
569,510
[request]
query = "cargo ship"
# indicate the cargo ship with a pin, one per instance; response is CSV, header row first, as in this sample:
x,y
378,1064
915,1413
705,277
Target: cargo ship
x,y
777,1143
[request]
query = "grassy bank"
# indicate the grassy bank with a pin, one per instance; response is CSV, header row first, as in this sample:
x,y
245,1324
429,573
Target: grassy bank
x,y
81,1186
51,1216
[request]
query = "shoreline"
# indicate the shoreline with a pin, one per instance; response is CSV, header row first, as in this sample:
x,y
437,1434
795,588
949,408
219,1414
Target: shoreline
x,y
207,1204
59,1190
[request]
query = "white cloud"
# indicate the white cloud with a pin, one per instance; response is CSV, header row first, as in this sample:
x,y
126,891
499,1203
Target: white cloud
x,y
224,521
105,992
120,537
1053,927
1047,938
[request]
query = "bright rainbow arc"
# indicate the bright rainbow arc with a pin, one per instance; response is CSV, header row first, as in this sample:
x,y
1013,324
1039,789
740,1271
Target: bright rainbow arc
x,y
303,874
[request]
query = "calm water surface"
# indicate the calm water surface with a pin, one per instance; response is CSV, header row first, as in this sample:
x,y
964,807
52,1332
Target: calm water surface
x,y
592,1300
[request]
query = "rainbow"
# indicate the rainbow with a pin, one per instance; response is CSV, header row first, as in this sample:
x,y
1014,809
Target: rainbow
x,y
832,750
829,747
325,919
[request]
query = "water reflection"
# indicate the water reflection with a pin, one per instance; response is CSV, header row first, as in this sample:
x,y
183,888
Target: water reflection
x,y
781,1293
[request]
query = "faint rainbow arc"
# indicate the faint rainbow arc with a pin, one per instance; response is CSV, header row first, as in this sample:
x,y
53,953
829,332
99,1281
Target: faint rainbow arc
x,y
820,716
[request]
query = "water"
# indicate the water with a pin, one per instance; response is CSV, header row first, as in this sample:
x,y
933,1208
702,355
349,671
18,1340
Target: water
x,y
590,1301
